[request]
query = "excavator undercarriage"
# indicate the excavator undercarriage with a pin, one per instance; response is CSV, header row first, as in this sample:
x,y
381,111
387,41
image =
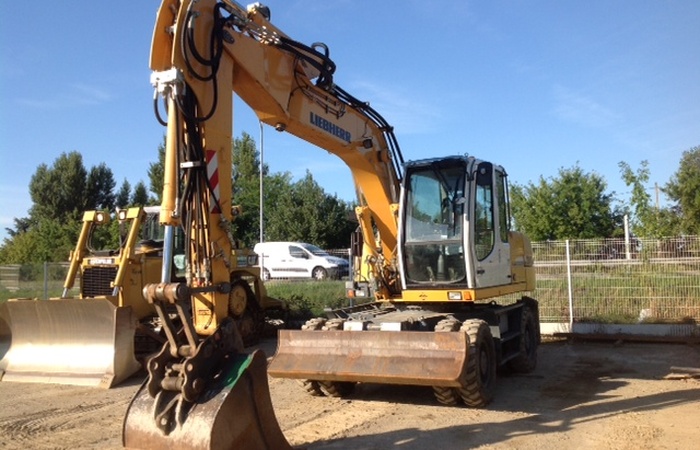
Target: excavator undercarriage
x,y
455,350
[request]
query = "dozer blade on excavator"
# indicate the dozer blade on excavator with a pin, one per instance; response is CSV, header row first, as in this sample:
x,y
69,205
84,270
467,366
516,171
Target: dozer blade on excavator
x,y
235,412
66,341
391,357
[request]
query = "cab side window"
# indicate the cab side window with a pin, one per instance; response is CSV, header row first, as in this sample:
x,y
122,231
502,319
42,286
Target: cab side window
x,y
503,210
484,234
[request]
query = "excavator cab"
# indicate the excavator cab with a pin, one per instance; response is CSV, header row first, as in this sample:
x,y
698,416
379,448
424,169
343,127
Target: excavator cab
x,y
455,227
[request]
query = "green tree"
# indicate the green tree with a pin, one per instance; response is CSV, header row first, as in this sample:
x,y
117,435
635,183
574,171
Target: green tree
x,y
573,205
246,189
309,214
59,192
100,188
645,219
684,189
140,195
123,195
156,172
48,240
299,211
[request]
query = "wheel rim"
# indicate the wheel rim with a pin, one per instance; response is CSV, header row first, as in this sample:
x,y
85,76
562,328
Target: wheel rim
x,y
484,365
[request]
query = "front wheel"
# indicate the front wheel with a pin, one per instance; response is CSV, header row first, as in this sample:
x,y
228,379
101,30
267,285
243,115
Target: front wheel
x,y
319,273
480,378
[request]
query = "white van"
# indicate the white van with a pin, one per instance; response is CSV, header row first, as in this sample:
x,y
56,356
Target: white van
x,y
298,260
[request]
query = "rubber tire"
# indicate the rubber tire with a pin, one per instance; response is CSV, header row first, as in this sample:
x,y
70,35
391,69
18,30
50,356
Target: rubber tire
x,y
480,377
526,361
447,395
319,273
312,387
252,322
265,275
337,389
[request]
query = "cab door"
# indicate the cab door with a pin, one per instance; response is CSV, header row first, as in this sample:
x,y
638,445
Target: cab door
x,y
491,250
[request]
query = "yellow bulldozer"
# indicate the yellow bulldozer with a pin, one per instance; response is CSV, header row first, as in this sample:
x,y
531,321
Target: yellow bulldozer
x,y
102,335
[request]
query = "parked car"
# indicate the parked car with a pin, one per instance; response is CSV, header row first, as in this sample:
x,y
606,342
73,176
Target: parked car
x,y
299,260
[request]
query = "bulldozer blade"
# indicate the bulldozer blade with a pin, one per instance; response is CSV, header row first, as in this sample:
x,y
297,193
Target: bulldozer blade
x,y
66,341
235,412
389,357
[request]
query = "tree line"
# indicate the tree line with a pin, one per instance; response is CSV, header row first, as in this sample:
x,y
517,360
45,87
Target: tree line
x,y
576,205
294,210
572,205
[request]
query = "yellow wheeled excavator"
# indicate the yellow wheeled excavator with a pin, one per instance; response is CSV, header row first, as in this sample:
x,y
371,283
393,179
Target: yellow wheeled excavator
x,y
435,248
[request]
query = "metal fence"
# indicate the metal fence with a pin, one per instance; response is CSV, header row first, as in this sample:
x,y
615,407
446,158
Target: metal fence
x,y
41,280
613,281
604,280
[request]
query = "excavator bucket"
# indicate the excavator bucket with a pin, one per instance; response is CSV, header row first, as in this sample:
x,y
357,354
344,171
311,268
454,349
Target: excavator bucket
x,y
66,341
390,357
234,413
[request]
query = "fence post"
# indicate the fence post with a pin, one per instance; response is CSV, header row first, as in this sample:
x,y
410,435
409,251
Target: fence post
x,y
571,291
46,280
627,238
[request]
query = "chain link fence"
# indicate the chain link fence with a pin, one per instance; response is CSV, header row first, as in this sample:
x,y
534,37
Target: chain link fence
x,y
41,280
603,280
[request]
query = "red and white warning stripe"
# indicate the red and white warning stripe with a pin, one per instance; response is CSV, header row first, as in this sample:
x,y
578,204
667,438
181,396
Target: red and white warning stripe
x,y
213,175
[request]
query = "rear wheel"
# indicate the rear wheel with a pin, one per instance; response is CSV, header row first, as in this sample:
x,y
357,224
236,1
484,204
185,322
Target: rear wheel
x,y
526,361
480,376
337,388
312,387
246,312
319,273
319,388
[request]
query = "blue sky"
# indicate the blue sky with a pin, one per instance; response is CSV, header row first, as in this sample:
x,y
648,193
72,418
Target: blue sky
x,y
534,86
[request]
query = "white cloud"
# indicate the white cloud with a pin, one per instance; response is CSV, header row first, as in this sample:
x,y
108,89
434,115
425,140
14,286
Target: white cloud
x,y
403,110
77,94
571,106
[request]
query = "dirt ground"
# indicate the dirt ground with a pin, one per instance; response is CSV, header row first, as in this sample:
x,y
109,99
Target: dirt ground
x,y
582,395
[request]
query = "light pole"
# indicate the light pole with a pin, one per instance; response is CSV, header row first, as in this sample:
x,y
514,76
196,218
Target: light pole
x,y
262,204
